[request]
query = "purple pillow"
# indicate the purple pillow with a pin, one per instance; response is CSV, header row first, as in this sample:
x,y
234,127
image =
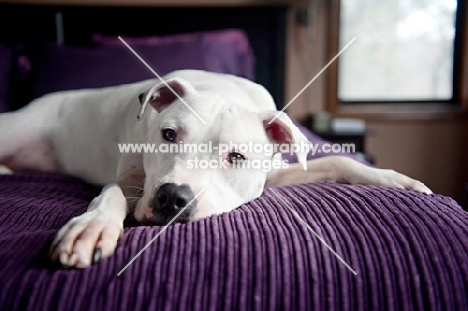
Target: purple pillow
x,y
57,68
236,38
6,75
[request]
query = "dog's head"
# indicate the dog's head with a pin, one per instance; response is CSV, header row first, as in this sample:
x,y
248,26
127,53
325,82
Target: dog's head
x,y
210,168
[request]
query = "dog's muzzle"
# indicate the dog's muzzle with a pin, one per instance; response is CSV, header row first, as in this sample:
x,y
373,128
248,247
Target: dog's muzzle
x,y
169,200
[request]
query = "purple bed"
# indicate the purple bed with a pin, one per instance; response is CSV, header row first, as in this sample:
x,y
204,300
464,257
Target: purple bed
x,y
409,249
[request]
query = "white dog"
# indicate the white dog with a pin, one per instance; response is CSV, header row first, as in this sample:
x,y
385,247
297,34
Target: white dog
x,y
78,132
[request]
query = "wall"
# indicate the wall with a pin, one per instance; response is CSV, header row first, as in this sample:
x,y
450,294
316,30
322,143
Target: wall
x,y
305,57
435,152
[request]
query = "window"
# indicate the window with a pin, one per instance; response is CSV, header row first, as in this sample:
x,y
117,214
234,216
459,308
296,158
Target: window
x,y
406,51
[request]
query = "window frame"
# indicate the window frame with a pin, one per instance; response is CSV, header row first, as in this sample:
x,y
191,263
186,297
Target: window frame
x,y
394,109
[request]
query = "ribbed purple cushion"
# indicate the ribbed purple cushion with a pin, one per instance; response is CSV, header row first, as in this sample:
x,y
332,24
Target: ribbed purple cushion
x,y
410,251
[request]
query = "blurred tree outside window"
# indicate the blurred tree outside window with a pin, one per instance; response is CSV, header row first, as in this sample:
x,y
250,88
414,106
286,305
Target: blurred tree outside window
x,y
404,50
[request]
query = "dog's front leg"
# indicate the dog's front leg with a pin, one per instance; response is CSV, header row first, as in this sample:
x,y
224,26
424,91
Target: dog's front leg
x,y
344,170
351,171
94,233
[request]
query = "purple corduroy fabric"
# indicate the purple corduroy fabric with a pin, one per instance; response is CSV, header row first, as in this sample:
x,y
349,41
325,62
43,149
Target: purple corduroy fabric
x,y
409,249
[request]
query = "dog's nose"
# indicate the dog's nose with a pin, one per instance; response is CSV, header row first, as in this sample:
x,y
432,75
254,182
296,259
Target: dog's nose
x,y
174,197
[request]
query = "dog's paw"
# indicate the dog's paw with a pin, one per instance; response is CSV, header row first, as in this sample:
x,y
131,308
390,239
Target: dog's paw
x,y
393,179
86,239
5,170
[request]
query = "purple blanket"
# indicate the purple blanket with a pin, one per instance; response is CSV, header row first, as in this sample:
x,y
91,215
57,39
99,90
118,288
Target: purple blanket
x,y
409,249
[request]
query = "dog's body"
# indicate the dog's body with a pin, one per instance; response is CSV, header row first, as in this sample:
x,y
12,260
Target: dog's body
x,y
78,132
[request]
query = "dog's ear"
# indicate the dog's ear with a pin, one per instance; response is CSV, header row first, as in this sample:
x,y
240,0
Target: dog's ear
x,y
282,130
163,94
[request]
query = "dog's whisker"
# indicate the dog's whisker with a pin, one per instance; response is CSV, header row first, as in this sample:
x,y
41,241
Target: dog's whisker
x,y
133,199
139,188
138,181
132,204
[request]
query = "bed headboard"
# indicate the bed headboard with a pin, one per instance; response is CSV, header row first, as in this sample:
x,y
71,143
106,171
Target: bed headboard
x,y
265,27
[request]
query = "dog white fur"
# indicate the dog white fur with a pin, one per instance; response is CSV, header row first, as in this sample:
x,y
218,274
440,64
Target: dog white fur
x,y
78,132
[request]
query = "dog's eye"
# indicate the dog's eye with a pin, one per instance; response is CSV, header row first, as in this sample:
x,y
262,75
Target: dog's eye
x,y
235,158
169,135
